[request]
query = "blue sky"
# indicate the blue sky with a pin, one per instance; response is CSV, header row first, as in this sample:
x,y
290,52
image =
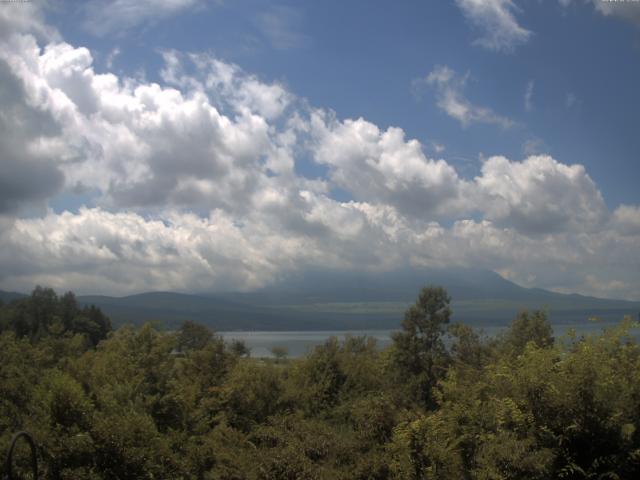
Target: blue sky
x,y
360,58
248,139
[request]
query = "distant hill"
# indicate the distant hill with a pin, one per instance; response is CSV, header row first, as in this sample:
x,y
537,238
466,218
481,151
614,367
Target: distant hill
x,y
326,300
7,297
479,296
171,309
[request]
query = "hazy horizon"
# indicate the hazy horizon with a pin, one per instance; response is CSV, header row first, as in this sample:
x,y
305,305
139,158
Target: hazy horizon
x,y
285,282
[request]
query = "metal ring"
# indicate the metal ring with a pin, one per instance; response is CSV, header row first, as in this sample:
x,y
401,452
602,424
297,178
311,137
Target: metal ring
x,y
34,454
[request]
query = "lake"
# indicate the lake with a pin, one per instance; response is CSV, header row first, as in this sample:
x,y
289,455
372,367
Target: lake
x,y
299,343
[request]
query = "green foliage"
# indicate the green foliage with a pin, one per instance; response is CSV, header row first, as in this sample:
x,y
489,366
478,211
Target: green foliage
x,y
193,336
239,348
468,348
424,448
280,352
251,394
528,327
419,355
44,314
138,403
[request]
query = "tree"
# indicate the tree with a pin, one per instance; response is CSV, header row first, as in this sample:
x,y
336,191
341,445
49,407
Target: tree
x,y
280,352
419,353
193,336
68,309
44,314
91,322
319,378
239,348
43,309
528,327
467,347
251,393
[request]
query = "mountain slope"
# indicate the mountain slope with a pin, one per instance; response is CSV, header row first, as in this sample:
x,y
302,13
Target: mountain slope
x,y
326,300
7,297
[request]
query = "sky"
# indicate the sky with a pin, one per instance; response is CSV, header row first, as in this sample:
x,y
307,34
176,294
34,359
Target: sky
x,y
217,145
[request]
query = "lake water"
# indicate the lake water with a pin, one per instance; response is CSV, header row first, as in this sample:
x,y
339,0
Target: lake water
x,y
300,343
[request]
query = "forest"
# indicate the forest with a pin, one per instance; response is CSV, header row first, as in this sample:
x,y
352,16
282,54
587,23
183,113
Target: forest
x,y
442,402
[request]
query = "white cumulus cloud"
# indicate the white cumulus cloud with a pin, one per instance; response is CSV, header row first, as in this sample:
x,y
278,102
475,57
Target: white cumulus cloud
x,y
383,166
214,178
626,219
540,195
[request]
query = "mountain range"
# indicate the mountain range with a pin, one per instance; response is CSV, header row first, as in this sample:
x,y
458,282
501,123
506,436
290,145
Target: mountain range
x,y
328,300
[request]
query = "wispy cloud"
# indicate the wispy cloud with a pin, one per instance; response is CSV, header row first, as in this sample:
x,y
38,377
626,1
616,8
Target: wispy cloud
x,y
628,11
572,100
280,26
528,96
104,17
438,147
111,57
495,19
449,90
533,146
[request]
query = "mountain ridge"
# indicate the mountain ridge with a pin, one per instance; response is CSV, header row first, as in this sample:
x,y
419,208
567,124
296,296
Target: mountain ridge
x,y
329,300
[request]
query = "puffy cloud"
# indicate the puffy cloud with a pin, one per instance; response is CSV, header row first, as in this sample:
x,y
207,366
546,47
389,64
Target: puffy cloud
x,y
540,195
143,145
123,252
201,183
626,219
449,89
181,252
382,166
227,85
495,19
24,17
29,171
94,250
